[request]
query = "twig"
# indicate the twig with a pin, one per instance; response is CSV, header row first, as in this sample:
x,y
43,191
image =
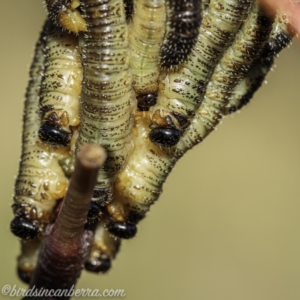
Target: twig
x,y
66,244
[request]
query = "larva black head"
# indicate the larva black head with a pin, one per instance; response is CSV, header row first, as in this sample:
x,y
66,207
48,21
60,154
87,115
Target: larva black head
x,y
54,135
165,137
24,228
145,101
123,230
93,215
25,276
98,265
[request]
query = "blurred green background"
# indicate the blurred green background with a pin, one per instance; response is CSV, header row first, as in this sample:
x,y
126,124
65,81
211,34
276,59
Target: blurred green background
x,y
227,224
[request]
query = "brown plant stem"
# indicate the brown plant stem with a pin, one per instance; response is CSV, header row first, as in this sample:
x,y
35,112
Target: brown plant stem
x,y
66,244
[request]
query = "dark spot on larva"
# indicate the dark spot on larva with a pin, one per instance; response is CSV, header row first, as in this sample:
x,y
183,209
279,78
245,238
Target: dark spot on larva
x,y
98,265
44,109
124,230
24,228
181,119
165,137
54,135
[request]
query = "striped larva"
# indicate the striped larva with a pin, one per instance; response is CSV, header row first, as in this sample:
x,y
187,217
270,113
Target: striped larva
x,y
181,91
253,79
60,88
146,32
136,186
107,96
104,249
27,260
183,21
232,67
40,182
66,14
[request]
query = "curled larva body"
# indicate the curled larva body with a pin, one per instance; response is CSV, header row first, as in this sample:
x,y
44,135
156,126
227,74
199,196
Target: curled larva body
x,y
66,14
40,181
27,260
244,91
104,249
183,21
107,96
60,88
235,63
181,91
146,32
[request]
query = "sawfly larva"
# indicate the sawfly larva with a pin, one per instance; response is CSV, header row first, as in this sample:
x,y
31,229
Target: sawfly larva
x,y
40,182
66,14
146,32
181,91
27,259
104,249
60,88
107,96
183,22
254,78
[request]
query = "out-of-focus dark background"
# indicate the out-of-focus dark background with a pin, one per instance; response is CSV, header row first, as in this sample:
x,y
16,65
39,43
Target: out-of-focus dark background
x,y
227,224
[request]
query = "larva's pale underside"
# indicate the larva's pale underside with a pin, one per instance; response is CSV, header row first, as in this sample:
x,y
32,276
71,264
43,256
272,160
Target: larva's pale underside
x,y
181,91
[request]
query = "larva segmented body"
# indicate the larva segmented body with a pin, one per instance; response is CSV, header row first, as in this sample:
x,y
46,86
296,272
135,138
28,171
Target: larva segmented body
x,y
146,32
235,63
104,249
40,182
60,88
181,91
27,260
254,78
107,96
66,14
137,187
183,21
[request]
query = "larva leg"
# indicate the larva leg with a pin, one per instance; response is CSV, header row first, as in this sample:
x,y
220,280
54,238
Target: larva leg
x,y
28,259
146,32
181,91
183,21
60,88
66,14
107,96
40,182
246,88
105,248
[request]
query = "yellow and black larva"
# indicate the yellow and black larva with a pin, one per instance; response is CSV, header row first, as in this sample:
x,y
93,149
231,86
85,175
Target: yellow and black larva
x,y
235,63
146,32
104,249
244,91
183,22
66,14
60,88
107,96
40,182
140,183
181,91
27,260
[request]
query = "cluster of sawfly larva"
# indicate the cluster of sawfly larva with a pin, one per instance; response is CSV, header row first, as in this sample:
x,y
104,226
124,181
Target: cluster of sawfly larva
x,y
147,80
